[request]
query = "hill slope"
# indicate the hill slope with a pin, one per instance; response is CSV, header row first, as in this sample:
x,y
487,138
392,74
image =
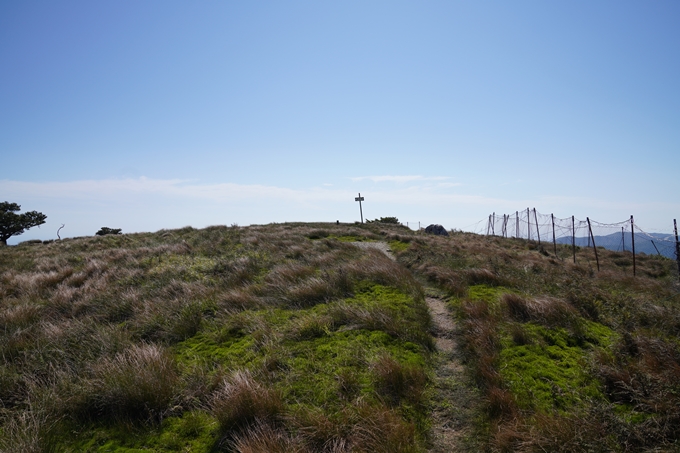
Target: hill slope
x,y
290,338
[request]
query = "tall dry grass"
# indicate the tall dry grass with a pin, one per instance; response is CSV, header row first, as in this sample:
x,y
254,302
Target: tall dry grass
x,y
96,323
138,383
242,402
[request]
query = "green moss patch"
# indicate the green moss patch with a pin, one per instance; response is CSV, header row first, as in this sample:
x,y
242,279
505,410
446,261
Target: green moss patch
x,y
550,372
194,431
352,238
398,246
486,293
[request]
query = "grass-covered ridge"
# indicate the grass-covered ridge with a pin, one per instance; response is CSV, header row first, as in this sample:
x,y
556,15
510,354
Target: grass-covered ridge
x,y
567,358
272,338
288,337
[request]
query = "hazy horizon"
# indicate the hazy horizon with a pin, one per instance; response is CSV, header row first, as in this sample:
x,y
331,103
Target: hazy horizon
x,y
151,115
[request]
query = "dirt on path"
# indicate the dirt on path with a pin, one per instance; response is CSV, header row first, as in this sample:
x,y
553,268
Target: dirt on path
x,y
454,405
382,246
455,401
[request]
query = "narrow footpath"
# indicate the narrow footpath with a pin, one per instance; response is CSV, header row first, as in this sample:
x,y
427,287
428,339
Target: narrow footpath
x,y
454,403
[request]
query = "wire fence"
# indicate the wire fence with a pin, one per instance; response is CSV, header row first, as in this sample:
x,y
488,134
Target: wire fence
x,y
550,230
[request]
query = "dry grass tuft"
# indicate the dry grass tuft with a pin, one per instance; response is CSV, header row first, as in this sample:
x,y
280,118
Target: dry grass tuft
x,y
395,382
31,431
263,438
380,269
482,277
548,311
381,430
451,281
137,383
241,402
361,428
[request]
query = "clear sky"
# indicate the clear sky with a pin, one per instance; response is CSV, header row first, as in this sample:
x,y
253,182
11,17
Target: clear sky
x,y
144,115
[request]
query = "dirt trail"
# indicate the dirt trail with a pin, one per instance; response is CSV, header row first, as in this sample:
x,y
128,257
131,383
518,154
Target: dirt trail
x,y
382,246
454,405
452,411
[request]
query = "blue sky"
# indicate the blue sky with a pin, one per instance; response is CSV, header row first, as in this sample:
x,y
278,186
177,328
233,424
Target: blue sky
x,y
144,115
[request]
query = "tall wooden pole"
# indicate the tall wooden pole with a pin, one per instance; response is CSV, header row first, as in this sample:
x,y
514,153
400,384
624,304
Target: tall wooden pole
x,y
361,211
517,224
538,232
552,218
493,223
677,245
573,238
590,229
632,235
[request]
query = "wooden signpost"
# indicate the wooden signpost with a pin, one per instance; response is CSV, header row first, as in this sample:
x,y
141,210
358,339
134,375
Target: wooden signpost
x,y
360,199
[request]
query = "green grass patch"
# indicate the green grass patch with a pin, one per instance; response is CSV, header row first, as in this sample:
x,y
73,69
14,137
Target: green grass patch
x,y
194,431
550,371
486,293
212,348
398,246
352,238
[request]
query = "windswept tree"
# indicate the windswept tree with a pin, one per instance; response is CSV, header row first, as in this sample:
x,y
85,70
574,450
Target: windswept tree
x,y
13,224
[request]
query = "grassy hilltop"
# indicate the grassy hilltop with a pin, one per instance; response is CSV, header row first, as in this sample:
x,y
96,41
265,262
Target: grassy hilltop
x,y
289,338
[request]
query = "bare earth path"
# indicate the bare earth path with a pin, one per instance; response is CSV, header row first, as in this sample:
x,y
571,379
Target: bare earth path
x,y
455,399
454,403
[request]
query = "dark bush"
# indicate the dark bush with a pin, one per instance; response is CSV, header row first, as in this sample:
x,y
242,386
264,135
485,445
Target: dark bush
x,y
103,231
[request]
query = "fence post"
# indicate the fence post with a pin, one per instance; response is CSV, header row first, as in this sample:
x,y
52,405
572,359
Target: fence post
x,y
632,235
677,246
573,238
623,240
493,223
597,260
517,224
538,232
552,219
528,226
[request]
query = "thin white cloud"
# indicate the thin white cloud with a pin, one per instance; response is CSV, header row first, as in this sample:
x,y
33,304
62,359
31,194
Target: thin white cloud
x,y
144,204
111,190
142,189
399,178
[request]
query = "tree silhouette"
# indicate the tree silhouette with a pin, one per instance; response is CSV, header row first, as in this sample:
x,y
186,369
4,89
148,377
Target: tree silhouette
x,y
12,224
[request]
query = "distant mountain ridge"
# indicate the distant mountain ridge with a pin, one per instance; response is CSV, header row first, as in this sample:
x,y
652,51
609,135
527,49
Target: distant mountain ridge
x,y
649,243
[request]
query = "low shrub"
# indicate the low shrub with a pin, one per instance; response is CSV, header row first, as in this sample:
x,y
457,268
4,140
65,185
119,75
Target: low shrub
x,y
103,231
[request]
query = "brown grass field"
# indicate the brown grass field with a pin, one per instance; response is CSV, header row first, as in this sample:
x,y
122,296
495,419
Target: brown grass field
x,y
289,338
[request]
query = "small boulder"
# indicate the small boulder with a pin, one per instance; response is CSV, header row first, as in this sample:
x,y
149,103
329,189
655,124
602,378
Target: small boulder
x,y
437,230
